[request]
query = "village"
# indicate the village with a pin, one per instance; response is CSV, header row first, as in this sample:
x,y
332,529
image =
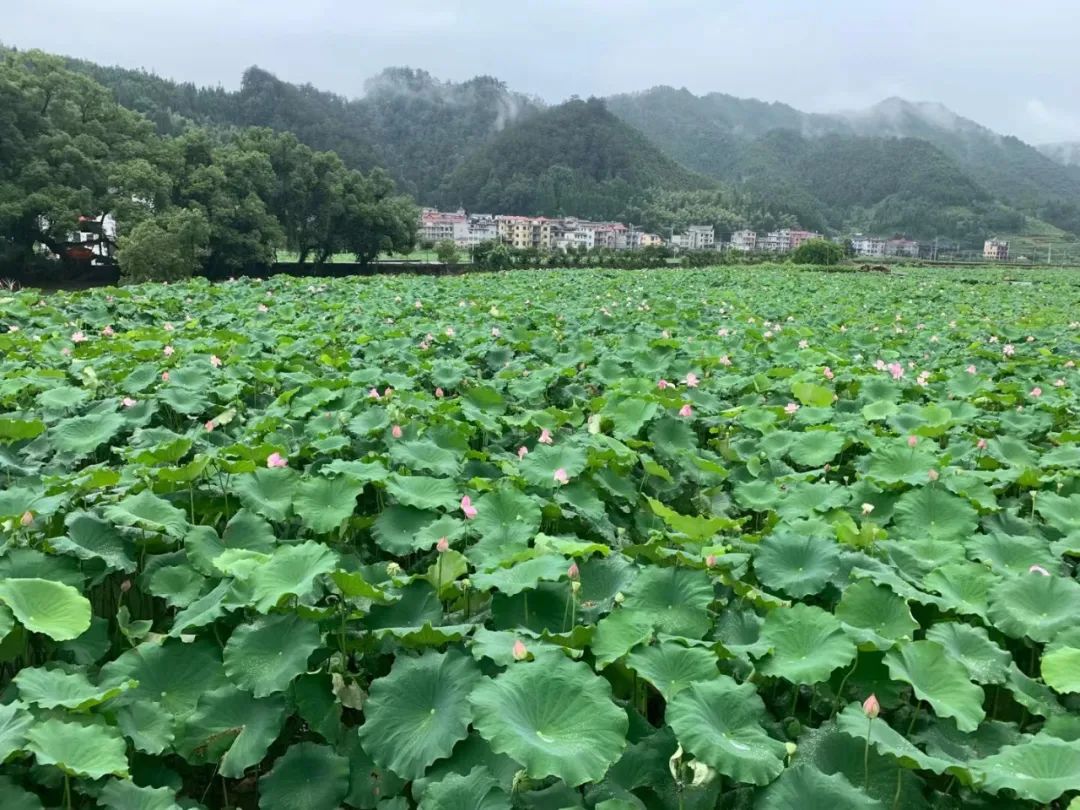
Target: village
x,y
467,230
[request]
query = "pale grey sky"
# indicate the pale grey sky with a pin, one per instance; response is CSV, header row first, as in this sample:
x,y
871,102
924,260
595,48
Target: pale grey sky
x,y
1013,66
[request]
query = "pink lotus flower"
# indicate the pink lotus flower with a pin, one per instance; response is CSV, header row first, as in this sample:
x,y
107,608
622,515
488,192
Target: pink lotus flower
x,y
520,651
896,370
804,344
522,452
27,518
560,476
78,337
970,369
828,373
395,431
443,545
692,380
879,364
168,351
710,561
263,308
210,425
467,507
867,508
1038,569
662,383
912,441
686,411
168,327
1070,364
417,304
724,360
545,436
1008,350
933,474
439,393
723,332
108,331
791,408
573,572
450,331
495,332
981,444
373,394
1059,383
871,708
215,361
165,376
387,392
1036,392
276,460
128,402
1030,338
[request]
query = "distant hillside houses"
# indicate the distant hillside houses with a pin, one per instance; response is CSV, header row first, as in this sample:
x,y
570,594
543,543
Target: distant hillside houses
x,y
782,241
879,247
543,233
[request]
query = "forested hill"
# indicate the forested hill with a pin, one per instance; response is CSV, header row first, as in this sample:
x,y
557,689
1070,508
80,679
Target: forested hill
x,y
576,158
724,136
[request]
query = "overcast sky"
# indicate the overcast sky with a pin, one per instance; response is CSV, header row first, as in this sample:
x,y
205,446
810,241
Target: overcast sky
x,y
1013,66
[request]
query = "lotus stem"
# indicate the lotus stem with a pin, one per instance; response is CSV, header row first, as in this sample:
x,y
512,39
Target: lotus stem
x,y
866,755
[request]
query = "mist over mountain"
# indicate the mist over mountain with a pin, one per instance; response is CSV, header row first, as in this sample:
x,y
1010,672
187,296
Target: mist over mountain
x,y
1066,153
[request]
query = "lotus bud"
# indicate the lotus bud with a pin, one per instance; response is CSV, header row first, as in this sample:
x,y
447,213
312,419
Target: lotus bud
x,y
443,545
619,598
573,572
871,708
710,561
521,652
867,508
393,569
125,586
27,518
791,748
933,475
912,441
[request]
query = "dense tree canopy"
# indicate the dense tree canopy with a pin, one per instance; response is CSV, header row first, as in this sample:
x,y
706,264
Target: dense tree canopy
x,y
217,201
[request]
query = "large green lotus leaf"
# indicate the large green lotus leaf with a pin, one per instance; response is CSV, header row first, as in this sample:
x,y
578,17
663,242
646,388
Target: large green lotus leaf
x,y
368,783
628,416
123,794
524,575
147,725
423,492
323,504
719,723
1039,769
1061,513
49,688
807,788
15,501
177,585
806,644
965,587
900,464
538,468
147,511
1035,606
932,512
402,530
14,430
247,530
1061,669
676,599
183,400
672,667
812,394
555,716
290,571
983,659
77,750
1011,554
232,728
265,655
89,538
15,797
306,777
174,675
50,608
28,563
267,492
506,521
619,632
798,566
82,435
476,790
816,447
419,605
415,714
425,456
203,611
939,680
14,721
695,528
889,742
1033,695
875,615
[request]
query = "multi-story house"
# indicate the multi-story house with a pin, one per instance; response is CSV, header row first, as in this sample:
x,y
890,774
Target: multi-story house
x,y
902,247
640,239
515,231
868,245
697,237
996,250
481,228
439,226
744,240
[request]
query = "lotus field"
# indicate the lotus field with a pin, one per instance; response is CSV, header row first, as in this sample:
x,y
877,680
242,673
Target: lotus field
x,y
741,538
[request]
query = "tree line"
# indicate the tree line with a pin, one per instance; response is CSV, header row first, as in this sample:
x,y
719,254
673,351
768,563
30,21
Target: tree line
x,y
212,201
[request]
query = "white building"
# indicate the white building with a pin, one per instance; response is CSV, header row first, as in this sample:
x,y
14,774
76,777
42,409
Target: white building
x,y
480,228
439,226
697,237
869,245
996,250
744,240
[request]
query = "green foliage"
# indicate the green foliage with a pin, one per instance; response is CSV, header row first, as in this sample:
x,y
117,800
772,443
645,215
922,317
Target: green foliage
x,y
818,251
167,248
648,604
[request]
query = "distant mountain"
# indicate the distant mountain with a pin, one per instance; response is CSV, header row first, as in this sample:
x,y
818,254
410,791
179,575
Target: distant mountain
x,y
1067,153
734,139
576,158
